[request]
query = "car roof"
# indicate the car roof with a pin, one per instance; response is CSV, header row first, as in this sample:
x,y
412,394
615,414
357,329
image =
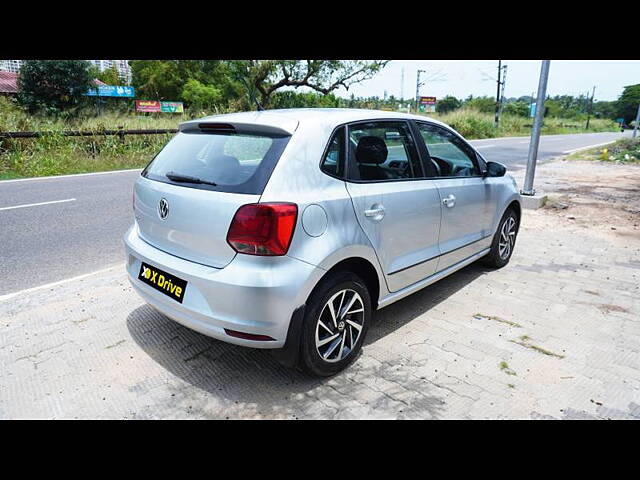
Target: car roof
x,y
287,120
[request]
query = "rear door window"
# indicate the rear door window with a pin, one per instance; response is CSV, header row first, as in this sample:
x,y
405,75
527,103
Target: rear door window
x,y
231,162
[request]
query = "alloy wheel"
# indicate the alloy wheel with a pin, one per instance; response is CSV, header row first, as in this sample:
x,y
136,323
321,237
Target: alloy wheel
x,y
339,325
507,238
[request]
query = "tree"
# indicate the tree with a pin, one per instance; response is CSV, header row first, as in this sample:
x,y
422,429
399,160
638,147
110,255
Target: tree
x,y
262,78
627,104
517,108
166,79
448,104
110,76
53,86
291,99
482,104
200,96
604,109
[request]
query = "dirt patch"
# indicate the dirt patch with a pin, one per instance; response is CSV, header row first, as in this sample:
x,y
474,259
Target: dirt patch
x,y
603,197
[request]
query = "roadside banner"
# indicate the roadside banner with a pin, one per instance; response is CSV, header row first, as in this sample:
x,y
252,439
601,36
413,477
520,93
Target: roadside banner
x,y
427,104
112,91
172,107
148,106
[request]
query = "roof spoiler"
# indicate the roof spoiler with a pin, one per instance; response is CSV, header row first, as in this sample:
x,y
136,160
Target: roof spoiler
x,y
270,126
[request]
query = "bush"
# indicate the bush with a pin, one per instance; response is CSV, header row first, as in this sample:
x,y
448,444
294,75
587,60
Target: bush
x,y
516,108
470,123
448,104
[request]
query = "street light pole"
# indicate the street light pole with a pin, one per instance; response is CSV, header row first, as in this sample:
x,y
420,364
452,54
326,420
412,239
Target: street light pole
x,y
635,127
535,132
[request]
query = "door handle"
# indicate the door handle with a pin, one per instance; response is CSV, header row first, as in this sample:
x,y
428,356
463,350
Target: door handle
x,y
376,212
449,201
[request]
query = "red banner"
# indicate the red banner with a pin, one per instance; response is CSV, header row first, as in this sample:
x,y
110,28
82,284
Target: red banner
x,y
428,100
147,106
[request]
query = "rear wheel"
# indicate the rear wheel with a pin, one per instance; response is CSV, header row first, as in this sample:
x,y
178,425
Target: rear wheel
x,y
504,241
336,321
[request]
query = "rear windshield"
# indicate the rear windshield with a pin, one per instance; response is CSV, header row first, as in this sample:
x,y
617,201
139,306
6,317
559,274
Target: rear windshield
x,y
234,162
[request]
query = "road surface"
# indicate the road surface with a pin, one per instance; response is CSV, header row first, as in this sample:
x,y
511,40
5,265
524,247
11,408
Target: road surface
x,y
57,228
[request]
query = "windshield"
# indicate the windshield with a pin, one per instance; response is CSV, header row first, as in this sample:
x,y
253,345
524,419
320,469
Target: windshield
x,y
232,162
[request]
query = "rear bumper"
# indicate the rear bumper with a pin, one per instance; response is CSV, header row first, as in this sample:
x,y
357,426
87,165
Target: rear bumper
x,y
252,294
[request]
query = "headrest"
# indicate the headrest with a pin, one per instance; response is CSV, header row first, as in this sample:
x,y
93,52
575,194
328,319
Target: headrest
x,y
371,150
226,169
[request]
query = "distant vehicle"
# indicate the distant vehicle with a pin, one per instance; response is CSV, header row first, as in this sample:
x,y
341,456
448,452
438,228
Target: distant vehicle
x,y
286,229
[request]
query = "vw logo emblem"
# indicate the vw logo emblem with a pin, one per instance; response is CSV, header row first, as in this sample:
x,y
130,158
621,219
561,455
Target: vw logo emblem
x,y
163,208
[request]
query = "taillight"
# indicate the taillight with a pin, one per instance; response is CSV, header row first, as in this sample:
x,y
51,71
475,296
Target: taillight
x,y
263,228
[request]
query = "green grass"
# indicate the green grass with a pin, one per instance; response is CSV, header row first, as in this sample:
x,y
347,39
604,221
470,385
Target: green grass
x,y
55,154
626,150
504,366
481,316
524,342
474,124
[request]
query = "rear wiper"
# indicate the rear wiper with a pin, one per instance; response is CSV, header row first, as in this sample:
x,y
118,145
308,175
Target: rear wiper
x,y
176,177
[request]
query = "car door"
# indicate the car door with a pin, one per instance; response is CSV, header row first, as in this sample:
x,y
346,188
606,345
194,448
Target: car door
x,y
465,195
398,209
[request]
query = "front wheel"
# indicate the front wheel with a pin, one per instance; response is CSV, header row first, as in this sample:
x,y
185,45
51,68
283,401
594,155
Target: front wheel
x,y
504,241
336,322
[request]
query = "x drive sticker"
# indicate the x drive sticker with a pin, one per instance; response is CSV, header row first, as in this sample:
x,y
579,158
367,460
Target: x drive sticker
x,y
164,282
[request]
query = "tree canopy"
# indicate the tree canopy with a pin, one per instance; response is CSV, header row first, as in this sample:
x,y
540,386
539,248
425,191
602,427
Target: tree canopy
x,y
265,77
53,86
627,104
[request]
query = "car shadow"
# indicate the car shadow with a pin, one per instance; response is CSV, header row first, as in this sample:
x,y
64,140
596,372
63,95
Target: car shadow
x,y
240,376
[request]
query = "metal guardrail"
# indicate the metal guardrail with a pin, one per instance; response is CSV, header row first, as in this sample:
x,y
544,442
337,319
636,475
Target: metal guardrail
x,y
88,133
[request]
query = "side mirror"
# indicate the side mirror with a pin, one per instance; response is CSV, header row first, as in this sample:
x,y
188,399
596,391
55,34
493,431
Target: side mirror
x,y
495,169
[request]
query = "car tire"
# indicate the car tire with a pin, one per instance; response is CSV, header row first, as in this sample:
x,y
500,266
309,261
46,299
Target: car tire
x,y
328,343
504,241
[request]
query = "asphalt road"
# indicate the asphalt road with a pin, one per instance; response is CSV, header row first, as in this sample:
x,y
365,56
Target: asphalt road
x,y
43,242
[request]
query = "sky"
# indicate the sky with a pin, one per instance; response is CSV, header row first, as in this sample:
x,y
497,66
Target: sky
x,y
462,78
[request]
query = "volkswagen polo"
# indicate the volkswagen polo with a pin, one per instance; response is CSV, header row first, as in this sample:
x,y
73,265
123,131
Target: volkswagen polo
x,y
286,229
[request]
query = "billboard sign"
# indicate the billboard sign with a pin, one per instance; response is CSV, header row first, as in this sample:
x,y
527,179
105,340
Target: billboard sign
x,y
148,106
532,110
112,91
427,104
172,107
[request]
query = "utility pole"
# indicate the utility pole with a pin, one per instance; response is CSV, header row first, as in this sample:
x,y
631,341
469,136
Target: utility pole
x,y
535,132
590,107
402,85
504,86
635,127
502,77
418,85
498,93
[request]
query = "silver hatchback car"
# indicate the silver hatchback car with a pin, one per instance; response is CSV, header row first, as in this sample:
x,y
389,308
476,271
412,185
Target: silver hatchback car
x,y
286,229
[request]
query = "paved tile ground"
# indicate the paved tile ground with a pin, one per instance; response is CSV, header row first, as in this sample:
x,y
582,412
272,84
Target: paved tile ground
x,y
555,334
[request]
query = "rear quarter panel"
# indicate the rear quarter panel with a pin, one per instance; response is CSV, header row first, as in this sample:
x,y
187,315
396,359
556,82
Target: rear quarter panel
x,y
297,178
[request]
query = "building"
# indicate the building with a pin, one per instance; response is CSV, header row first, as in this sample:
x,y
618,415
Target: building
x,y
8,83
122,66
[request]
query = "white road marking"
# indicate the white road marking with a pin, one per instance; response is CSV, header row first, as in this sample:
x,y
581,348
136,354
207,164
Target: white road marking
x,y
485,146
59,282
68,176
37,204
589,146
